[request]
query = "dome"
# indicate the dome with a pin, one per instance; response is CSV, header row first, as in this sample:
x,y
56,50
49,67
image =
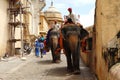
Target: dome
x,y
53,14
52,9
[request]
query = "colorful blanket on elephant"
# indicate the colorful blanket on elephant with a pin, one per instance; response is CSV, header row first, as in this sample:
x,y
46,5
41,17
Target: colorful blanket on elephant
x,y
45,46
83,45
60,44
61,41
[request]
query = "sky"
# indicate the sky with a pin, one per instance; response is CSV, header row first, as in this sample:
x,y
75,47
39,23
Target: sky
x,y
84,8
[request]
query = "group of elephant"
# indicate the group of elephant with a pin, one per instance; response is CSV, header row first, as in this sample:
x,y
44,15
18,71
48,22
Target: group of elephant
x,y
71,36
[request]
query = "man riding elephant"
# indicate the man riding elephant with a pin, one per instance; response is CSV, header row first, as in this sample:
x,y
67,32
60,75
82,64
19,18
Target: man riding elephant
x,y
72,16
71,46
72,34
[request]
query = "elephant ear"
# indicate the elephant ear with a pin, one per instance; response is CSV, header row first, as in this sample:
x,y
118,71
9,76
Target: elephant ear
x,y
63,31
83,33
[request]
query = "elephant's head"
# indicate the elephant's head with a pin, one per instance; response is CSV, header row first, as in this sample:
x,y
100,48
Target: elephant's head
x,y
71,34
53,41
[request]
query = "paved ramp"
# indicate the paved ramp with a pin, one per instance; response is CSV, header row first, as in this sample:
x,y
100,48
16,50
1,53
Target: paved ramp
x,y
36,68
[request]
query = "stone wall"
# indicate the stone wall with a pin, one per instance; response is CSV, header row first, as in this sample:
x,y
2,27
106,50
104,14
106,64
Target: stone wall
x,y
106,27
3,26
43,24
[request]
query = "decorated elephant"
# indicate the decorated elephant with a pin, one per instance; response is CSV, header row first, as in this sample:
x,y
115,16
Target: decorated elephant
x,y
53,43
71,44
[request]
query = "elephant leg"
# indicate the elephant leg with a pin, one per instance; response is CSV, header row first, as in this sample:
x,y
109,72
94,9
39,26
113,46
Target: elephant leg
x,y
53,46
57,53
68,56
76,60
53,56
69,61
58,58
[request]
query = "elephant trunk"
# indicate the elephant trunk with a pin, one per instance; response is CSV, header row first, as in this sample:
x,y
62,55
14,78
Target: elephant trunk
x,y
54,42
73,42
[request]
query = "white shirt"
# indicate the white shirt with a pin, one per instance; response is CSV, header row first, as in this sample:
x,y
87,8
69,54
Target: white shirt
x,y
72,16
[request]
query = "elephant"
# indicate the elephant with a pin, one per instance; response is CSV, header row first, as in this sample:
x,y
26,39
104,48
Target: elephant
x,y
71,44
54,44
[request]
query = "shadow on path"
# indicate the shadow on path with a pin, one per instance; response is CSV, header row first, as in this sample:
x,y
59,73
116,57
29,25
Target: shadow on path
x,y
58,71
45,62
62,72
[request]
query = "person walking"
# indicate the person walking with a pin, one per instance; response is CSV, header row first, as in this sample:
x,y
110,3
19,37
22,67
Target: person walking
x,y
41,41
37,48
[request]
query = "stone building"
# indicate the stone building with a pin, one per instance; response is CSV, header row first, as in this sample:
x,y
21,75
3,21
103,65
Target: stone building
x,y
3,26
19,18
52,15
106,28
43,24
104,58
38,5
17,25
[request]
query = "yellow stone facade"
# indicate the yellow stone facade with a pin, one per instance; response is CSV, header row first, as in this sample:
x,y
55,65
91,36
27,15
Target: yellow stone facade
x,y
43,24
52,15
104,32
3,27
106,27
10,37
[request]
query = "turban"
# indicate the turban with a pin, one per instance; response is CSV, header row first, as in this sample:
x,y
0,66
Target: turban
x,y
70,9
